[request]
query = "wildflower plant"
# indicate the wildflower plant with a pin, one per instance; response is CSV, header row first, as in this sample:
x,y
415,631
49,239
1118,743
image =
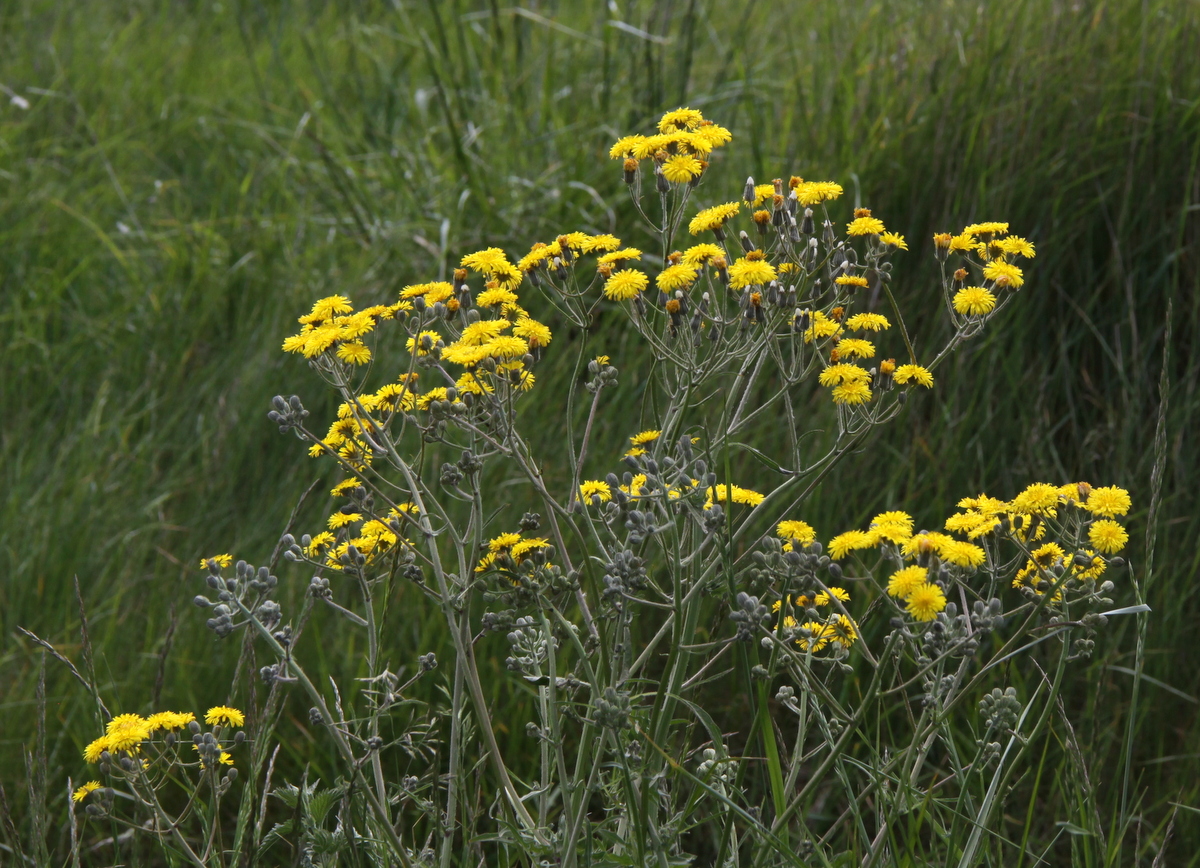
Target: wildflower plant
x,y
708,672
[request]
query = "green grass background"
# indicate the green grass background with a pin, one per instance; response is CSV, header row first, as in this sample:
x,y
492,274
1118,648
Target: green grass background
x,y
189,176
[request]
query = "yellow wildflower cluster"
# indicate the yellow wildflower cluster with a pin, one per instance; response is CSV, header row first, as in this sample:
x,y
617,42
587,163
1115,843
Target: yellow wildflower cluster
x,y
508,550
1082,541
332,324
995,253
816,634
680,150
128,734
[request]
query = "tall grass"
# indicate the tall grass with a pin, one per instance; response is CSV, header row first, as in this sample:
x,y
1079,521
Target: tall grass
x,y
187,177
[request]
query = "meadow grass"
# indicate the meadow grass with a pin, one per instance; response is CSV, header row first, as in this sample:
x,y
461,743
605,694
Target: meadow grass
x,y
188,178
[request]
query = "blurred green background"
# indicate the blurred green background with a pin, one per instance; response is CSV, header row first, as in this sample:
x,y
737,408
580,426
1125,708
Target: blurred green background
x,y
179,180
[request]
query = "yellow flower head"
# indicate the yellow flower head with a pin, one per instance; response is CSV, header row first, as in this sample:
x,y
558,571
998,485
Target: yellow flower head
x,y
796,531
844,543
680,119
1108,501
913,374
675,277
1107,536
734,493
1004,274
681,168
974,301
625,284
224,715
595,488
713,218
225,560
905,581
852,393
815,192
504,542
169,720
869,322
750,272
80,794
925,601
1039,498
865,226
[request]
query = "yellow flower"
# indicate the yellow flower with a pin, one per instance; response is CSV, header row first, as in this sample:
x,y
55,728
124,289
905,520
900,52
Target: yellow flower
x,y
745,273
844,543
869,322
925,601
894,239
417,344
674,277
712,135
355,352
169,720
625,284
1108,501
1044,557
224,715
626,255
962,554
815,192
680,119
92,752
503,542
1004,274
522,549
490,260
602,243
1014,245
701,253
904,582
325,309
1040,498
820,327
341,519
436,394
915,374
533,331
1107,536
505,347
224,560
681,168
479,333
852,393
855,348
865,226
80,794
850,280
840,594
835,375
840,629
986,229
734,493
126,731
319,544
495,297
819,636
432,292
713,218
595,488
624,147
974,301
750,272
796,531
